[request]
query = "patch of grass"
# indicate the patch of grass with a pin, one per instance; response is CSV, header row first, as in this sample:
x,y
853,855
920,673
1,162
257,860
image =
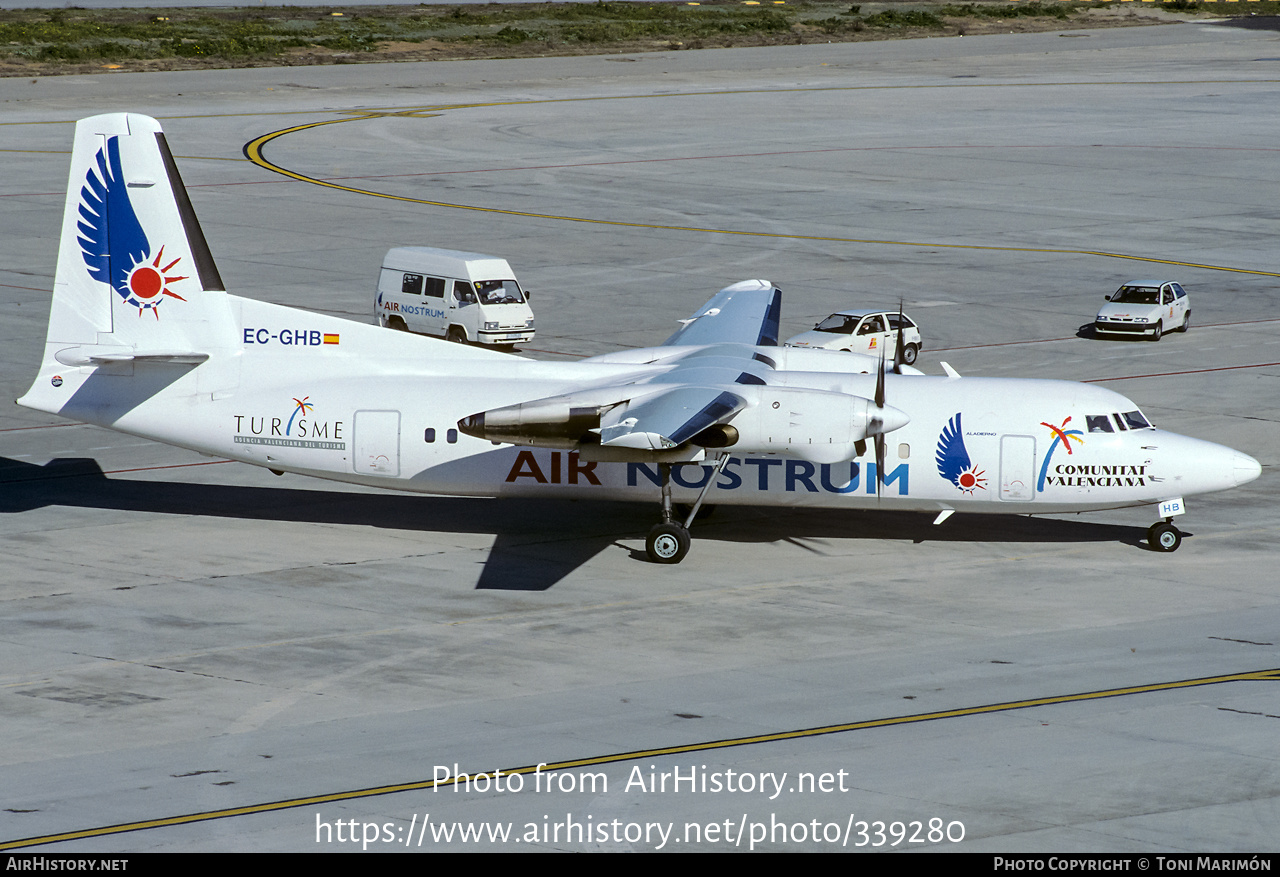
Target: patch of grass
x,y
908,18
1005,11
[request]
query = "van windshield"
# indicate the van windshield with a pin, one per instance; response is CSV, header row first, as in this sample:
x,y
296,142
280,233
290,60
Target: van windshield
x,y
499,292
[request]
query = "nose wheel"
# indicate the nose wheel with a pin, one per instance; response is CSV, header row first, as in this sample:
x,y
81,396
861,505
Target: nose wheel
x,y
1163,536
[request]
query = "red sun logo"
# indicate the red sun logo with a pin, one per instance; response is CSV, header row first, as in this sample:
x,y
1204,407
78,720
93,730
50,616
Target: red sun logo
x,y
971,480
147,281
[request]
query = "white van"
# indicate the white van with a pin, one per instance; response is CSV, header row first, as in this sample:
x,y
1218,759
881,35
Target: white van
x,y
464,297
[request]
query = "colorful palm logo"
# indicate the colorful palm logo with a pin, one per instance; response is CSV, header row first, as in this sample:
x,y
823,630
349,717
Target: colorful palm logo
x,y
300,406
1061,436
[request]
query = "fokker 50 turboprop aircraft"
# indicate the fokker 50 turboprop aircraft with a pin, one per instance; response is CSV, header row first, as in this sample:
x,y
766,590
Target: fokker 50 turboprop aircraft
x,y
143,339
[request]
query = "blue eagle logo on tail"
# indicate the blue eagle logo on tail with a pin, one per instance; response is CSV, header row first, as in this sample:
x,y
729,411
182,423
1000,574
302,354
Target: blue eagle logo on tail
x,y
953,459
115,248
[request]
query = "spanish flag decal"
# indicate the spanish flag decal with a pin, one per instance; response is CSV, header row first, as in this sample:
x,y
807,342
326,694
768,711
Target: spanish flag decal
x,y
330,337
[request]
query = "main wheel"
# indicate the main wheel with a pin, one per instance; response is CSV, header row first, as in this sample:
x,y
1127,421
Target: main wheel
x,y
909,354
667,543
1155,336
1163,536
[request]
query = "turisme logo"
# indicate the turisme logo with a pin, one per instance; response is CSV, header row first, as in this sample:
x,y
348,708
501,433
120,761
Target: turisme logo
x,y
121,256
953,459
300,430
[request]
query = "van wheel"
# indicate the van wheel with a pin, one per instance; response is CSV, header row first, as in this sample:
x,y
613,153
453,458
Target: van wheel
x,y
397,324
457,335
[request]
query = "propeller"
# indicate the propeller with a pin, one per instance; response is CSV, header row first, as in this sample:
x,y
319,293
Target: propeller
x,y
897,350
876,424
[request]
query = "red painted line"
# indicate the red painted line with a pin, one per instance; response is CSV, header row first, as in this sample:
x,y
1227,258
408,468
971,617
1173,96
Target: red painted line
x,y
1075,337
173,466
46,426
1194,371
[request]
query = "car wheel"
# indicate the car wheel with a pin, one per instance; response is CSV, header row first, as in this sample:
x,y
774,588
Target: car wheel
x,y
1155,336
1186,322
909,354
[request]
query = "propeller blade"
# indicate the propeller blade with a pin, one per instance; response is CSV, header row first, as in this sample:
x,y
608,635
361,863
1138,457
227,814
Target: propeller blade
x,y
879,463
880,381
897,350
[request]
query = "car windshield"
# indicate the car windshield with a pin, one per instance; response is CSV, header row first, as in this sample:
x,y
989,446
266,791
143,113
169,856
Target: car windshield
x,y
499,292
837,323
1137,295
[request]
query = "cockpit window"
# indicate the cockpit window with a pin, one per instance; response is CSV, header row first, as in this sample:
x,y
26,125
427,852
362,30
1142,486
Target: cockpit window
x,y
1137,295
1098,423
1135,420
499,292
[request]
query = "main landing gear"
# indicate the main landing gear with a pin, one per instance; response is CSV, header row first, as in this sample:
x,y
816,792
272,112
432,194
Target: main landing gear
x,y
668,541
1163,536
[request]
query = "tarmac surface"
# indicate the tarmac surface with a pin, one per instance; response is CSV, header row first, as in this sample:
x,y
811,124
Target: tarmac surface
x,y
185,636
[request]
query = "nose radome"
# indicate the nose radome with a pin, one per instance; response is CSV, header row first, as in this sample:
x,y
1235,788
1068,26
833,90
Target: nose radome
x,y
1246,468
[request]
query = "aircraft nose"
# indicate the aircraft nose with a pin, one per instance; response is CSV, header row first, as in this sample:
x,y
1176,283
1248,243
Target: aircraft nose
x,y
1246,468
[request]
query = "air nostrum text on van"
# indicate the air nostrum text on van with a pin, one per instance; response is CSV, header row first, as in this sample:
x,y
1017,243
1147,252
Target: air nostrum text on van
x,y
464,297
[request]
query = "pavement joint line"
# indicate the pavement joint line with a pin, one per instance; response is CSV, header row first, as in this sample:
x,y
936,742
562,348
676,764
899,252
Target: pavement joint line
x,y
1272,675
253,151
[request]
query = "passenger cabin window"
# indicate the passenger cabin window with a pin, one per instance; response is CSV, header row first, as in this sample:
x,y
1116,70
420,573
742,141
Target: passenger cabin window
x,y
1098,423
1178,291
412,284
463,292
435,287
870,326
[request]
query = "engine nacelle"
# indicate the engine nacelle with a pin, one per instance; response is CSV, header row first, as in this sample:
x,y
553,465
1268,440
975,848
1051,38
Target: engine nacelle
x,y
814,425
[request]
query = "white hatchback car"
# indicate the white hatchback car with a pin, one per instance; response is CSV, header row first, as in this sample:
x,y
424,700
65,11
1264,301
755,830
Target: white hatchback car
x,y
1145,307
863,331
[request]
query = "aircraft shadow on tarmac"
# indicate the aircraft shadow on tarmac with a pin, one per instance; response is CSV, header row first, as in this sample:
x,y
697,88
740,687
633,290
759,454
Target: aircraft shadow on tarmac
x,y
537,542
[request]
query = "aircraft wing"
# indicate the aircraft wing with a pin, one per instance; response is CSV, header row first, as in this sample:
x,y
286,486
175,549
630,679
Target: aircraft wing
x,y
745,313
667,419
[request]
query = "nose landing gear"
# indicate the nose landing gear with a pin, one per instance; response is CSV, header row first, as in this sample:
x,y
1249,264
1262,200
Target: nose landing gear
x,y
1163,536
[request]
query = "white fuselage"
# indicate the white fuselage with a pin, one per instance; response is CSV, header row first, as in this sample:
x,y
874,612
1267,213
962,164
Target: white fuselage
x,y
300,392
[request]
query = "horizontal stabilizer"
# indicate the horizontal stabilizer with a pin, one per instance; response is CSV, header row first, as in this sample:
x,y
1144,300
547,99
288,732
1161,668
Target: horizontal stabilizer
x,y
79,356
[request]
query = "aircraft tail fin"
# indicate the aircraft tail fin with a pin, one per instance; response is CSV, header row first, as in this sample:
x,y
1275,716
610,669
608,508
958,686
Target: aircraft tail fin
x,y
135,275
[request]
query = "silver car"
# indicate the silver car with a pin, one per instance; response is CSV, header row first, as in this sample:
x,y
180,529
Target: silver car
x,y
1145,307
